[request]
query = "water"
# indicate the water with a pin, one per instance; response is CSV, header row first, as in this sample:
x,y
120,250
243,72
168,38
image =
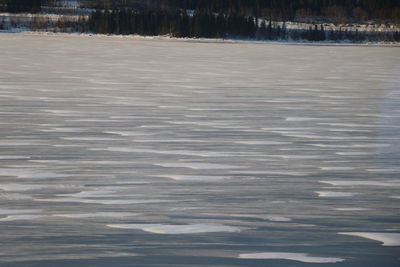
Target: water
x,y
142,152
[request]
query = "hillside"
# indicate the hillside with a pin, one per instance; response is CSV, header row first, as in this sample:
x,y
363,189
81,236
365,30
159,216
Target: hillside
x,y
310,20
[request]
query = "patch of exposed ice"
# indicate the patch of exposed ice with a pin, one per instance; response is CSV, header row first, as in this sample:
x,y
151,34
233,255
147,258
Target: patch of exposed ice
x,y
177,229
370,145
352,209
353,153
302,257
24,211
167,152
388,239
21,143
14,196
389,170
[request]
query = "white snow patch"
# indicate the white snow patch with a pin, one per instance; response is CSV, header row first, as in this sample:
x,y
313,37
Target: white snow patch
x,y
177,229
388,239
302,257
336,168
89,138
353,153
198,165
97,214
128,133
195,178
103,201
334,194
21,217
262,143
30,173
13,157
20,187
358,183
83,194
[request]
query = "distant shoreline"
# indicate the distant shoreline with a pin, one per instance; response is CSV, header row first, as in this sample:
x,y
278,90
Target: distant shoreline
x,y
206,40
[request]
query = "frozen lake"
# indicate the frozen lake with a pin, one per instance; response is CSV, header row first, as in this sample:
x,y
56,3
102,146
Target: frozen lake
x,y
139,152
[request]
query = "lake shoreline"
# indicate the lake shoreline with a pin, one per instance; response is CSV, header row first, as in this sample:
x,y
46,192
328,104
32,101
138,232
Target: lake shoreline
x,y
205,40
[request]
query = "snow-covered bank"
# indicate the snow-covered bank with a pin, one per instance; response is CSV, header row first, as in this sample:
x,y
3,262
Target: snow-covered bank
x,y
199,40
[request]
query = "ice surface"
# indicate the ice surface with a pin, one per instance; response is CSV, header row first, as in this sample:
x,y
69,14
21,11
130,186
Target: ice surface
x,y
388,239
302,257
177,229
227,140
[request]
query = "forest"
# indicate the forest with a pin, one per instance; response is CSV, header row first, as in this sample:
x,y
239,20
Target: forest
x,y
17,6
211,25
289,10
336,11
226,19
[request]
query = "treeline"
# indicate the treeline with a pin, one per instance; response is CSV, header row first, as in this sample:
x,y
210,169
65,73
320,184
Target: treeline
x,y
211,25
18,6
332,10
176,24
